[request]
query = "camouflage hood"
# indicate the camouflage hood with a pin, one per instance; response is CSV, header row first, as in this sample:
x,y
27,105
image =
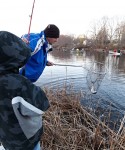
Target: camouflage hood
x,y
13,52
22,103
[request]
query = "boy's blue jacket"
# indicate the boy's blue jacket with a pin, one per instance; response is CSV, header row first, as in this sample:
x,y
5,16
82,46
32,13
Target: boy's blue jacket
x,y
37,62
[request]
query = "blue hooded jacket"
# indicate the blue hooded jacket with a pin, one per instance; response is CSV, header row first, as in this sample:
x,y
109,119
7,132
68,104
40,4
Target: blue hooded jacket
x,y
38,60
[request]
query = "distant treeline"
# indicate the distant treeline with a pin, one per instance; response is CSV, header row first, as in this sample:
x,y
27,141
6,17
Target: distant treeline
x,y
105,34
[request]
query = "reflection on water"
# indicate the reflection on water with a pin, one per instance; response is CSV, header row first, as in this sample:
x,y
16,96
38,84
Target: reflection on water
x,y
112,88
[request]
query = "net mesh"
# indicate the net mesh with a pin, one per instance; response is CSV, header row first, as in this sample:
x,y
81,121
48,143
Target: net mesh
x,y
95,76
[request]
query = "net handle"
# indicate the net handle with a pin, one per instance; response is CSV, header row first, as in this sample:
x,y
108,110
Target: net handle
x,y
71,65
56,64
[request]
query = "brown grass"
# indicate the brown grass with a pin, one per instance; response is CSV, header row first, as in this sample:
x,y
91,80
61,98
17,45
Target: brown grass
x,y
68,126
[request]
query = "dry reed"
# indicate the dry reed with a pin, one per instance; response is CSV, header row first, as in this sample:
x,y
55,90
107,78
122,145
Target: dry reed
x,y
69,126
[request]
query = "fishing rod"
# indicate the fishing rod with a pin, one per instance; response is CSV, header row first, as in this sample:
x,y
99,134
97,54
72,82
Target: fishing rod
x,y
31,16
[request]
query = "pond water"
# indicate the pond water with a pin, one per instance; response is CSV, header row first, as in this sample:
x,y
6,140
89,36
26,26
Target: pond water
x,y
111,91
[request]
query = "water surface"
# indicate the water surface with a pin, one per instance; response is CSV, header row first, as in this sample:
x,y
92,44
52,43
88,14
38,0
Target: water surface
x,y
112,88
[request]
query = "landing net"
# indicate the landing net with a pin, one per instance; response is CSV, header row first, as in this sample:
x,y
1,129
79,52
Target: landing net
x,y
95,76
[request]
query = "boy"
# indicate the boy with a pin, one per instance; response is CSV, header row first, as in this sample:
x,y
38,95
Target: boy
x,y
21,102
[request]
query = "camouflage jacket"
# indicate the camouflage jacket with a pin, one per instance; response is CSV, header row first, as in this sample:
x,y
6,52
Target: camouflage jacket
x,y
21,102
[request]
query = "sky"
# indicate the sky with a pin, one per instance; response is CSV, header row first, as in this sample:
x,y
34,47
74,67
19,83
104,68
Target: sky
x,y
71,16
